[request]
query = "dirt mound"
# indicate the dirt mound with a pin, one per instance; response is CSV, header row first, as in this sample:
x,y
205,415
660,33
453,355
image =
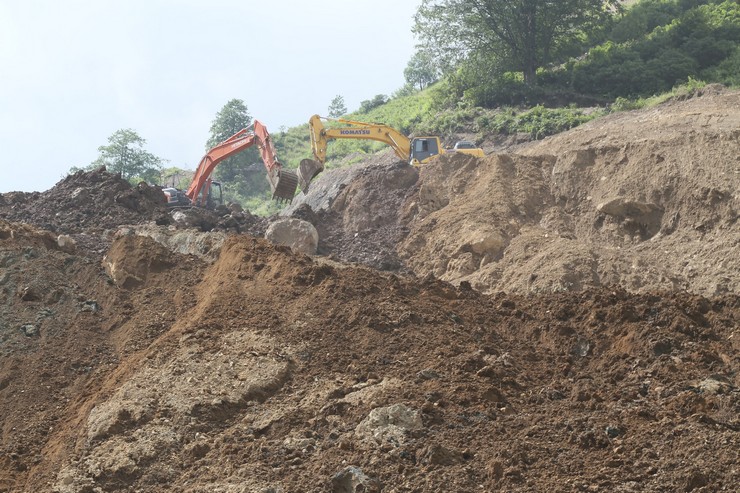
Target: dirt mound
x,y
268,371
240,366
87,201
645,200
357,210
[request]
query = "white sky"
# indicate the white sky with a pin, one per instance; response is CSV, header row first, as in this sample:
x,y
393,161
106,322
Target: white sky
x,y
75,71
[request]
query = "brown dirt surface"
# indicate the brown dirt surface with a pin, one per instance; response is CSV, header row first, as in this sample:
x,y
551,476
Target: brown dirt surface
x,y
644,200
264,370
86,201
239,366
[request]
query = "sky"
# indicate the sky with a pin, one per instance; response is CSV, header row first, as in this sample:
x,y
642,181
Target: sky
x,y
75,71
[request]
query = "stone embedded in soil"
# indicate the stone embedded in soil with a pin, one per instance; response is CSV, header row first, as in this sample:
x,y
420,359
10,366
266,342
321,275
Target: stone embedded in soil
x,y
390,424
353,480
30,330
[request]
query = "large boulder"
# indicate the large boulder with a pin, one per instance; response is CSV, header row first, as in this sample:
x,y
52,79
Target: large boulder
x,y
298,234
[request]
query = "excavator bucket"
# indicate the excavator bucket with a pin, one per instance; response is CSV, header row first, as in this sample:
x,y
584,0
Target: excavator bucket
x,y
283,183
307,171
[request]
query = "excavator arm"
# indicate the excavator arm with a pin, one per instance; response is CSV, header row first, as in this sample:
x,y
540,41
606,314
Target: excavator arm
x,y
201,184
282,182
320,136
416,151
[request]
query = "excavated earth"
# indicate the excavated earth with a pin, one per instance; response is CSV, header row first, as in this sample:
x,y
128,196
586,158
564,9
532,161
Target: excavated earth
x,y
561,315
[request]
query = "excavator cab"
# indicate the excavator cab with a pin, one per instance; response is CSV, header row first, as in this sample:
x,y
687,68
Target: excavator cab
x,y
423,148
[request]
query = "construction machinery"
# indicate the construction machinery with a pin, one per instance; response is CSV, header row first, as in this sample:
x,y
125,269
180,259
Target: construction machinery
x,y
283,182
416,150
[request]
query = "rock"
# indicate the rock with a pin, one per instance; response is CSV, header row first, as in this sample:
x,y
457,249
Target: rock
x,y
390,424
613,431
440,455
234,207
353,480
30,330
623,208
715,384
90,306
66,243
298,234
696,480
29,293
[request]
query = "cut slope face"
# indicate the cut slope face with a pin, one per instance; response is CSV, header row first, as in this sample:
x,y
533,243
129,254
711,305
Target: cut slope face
x,y
645,200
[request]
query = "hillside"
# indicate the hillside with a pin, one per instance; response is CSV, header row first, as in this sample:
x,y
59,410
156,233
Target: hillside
x,y
560,315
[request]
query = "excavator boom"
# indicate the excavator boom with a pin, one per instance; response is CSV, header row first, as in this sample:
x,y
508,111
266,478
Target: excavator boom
x,y
320,136
282,182
416,151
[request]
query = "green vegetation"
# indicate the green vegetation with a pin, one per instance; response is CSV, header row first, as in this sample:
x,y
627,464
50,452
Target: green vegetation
x,y
644,50
125,154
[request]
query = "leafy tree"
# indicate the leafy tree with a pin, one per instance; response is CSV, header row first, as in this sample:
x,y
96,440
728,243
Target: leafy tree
x,y
125,154
337,107
236,173
521,35
177,177
369,104
420,70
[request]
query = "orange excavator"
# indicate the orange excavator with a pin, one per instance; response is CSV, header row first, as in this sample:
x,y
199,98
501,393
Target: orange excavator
x,y
283,182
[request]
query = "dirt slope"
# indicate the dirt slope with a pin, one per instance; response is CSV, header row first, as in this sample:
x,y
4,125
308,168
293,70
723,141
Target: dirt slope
x,y
643,200
611,365
268,371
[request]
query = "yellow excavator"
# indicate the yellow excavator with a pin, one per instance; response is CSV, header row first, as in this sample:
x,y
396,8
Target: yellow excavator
x,y
416,150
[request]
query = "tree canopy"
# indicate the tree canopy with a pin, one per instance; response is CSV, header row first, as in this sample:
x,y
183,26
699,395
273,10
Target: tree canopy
x,y
125,154
337,107
519,36
420,71
231,118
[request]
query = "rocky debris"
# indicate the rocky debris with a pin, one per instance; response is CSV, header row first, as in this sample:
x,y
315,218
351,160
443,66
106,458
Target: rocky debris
x,y
353,480
390,424
30,330
87,201
205,245
295,233
254,368
67,243
357,210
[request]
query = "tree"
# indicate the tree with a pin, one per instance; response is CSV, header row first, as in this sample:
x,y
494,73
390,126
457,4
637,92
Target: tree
x,y
521,35
231,118
420,70
125,154
337,107
368,104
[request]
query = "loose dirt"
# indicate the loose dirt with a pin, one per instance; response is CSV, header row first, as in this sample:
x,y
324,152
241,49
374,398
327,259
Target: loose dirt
x,y
221,362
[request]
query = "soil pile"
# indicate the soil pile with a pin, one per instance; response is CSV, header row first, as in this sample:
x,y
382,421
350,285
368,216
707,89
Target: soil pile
x,y
268,371
89,206
645,200
86,201
199,361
